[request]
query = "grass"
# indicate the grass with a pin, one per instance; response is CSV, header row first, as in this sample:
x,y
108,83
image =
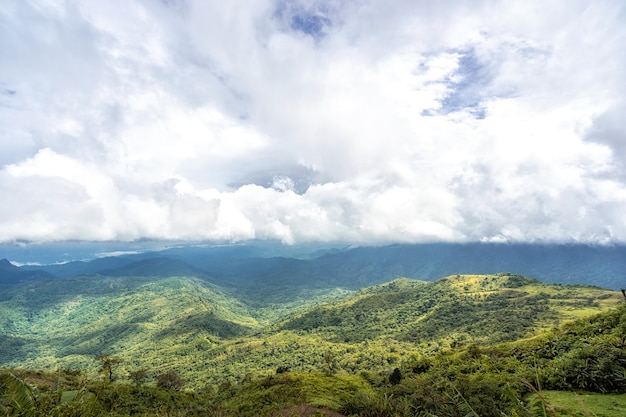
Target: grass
x,y
273,392
72,395
584,404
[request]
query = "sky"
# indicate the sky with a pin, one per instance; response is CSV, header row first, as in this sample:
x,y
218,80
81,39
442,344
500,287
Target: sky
x,y
363,121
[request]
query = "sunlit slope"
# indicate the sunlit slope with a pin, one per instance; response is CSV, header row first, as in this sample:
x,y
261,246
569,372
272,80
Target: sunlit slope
x,y
208,335
393,324
73,320
460,308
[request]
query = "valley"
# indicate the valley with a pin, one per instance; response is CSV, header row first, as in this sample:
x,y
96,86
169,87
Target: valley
x,y
236,335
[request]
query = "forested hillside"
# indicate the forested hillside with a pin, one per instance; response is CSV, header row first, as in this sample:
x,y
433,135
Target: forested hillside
x,y
455,309
166,336
530,377
208,335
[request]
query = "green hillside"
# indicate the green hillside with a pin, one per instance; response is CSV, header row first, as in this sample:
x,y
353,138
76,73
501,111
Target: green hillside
x,y
68,322
190,325
488,343
576,369
461,308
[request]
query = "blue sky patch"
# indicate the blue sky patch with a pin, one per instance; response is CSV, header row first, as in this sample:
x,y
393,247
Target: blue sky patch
x,y
311,19
468,86
311,24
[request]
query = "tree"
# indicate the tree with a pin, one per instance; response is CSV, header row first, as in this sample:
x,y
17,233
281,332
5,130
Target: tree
x,y
330,360
283,369
170,380
107,363
138,376
395,377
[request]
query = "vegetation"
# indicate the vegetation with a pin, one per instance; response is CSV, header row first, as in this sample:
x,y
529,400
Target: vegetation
x,y
579,404
474,345
455,309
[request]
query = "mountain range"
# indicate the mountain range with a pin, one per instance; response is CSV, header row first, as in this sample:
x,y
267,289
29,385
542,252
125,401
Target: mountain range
x,y
11,274
349,267
249,329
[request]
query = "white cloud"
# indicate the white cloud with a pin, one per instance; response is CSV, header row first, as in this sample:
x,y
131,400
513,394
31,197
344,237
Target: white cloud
x,y
353,121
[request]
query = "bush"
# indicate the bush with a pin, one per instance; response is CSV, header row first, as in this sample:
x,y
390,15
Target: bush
x,y
170,380
395,377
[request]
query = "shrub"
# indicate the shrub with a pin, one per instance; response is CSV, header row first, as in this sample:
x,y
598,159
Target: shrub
x,y
170,380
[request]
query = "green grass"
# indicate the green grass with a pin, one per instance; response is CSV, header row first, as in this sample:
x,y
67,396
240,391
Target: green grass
x,y
583,404
74,395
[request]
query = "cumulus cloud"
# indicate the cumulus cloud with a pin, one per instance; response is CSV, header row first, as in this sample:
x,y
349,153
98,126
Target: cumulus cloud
x,y
312,121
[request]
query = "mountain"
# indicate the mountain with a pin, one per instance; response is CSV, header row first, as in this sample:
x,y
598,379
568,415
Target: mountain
x,y
77,268
566,264
79,318
155,267
11,274
254,269
193,324
355,268
460,308
460,345
576,368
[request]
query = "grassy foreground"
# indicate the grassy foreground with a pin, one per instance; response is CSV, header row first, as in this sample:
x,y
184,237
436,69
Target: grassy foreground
x,y
579,404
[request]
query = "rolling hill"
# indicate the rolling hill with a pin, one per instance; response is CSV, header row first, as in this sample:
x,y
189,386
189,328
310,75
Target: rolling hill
x,y
457,308
72,320
186,323
460,345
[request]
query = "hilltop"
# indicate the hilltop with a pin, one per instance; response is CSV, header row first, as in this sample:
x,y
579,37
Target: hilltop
x,y
457,308
11,274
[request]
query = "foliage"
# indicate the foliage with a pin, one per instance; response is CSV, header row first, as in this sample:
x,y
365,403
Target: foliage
x,y
107,365
396,376
170,380
138,376
457,308
405,348
18,398
587,354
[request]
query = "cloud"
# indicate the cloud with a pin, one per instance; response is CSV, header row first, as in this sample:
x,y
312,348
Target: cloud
x,y
299,121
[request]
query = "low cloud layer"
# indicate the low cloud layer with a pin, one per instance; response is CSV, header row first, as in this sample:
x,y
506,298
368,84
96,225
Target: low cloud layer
x,y
359,121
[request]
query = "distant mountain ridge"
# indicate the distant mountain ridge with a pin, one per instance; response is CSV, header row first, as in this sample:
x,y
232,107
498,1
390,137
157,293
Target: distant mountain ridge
x,y
11,274
77,268
355,268
155,267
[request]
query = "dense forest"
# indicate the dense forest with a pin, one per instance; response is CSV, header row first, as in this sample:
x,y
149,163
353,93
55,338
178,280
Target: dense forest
x,y
519,378
465,345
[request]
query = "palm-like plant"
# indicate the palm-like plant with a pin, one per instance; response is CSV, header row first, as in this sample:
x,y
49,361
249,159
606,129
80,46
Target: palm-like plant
x,y
17,398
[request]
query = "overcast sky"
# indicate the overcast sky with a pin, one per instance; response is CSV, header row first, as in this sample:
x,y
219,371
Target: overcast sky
x,y
366,121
